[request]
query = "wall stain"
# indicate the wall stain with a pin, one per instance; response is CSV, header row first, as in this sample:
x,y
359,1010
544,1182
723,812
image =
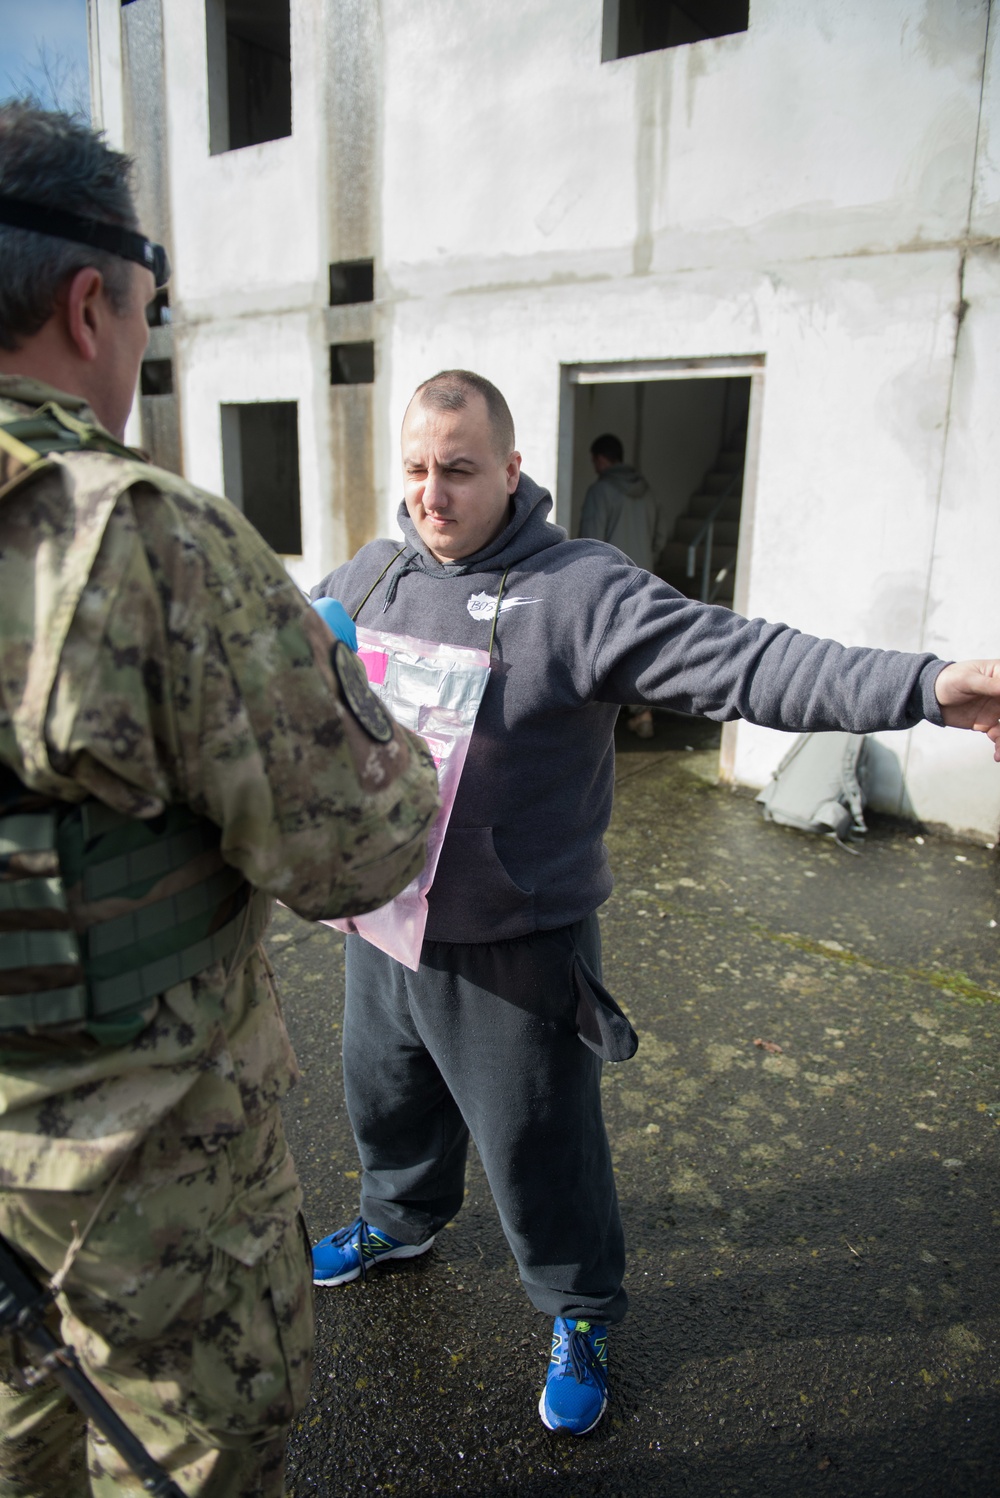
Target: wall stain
x,y
352,488
649,94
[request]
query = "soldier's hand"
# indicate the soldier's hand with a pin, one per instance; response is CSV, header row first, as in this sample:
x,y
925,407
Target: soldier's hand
x,y
969,694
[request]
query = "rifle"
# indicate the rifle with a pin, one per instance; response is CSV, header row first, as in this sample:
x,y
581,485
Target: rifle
x,y
23,1305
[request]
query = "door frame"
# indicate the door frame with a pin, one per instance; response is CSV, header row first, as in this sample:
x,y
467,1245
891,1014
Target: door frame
x,y
634,371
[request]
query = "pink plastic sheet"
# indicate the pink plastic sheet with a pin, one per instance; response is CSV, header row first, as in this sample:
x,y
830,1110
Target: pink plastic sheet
x,y
435,690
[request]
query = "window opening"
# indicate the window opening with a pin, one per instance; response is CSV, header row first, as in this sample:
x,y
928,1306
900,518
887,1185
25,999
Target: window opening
x,y
352,363
249,72
352,281
260,462
635,26
158,310
156,377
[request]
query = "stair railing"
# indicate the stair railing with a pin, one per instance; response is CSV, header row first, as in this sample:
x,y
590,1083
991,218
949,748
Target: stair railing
x,y
709,585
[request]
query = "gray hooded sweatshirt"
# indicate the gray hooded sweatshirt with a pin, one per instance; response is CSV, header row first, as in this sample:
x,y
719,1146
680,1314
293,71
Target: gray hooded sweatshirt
x,y
620,508
581,631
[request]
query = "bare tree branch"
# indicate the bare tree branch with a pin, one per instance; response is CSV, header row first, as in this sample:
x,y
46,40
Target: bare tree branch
x,y
53,81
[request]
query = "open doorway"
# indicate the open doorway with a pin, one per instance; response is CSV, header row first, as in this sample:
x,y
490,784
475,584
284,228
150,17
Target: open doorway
x,y
688,440
690,428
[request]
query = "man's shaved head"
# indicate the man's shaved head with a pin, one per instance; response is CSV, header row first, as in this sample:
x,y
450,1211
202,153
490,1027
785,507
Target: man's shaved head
x,y
460,469
450,391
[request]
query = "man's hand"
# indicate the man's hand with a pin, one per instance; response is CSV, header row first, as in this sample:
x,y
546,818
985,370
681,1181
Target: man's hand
x,y
969,694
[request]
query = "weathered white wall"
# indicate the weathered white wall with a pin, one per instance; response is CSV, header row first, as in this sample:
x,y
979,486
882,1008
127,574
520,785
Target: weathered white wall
x,y
800,191
824,129
278,357
250,249
808,192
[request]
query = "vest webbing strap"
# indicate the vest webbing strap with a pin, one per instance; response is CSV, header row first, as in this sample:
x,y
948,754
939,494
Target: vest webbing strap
x,y
51,429
28,832
129,992
25,949
123,962
36,434
133,989
56,1006
31,894
24,456
371,590
146,865
28,443
150,921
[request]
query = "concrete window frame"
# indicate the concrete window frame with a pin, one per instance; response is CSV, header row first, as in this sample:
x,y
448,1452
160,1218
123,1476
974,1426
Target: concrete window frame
x,y
250,98
261,468
626,25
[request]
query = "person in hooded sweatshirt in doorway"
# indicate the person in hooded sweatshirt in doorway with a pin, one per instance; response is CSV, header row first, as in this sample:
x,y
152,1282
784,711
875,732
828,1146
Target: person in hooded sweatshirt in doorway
x,y
501,1032
620,508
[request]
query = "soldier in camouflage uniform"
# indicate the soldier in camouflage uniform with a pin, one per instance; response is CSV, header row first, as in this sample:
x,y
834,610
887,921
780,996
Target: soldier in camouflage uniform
x,y
180,742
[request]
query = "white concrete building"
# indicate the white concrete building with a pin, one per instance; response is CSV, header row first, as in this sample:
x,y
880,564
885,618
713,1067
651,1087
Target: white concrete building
x,y
803,212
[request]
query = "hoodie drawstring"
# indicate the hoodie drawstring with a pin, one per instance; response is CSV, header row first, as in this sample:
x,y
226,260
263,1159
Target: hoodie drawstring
x,y
375,584
411,564
496,611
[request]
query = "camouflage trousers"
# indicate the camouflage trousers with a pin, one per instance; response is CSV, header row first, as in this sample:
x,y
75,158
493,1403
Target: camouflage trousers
x,y
201,1342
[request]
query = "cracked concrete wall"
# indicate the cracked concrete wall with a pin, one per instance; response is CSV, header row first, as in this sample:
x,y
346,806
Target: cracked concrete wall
x,y
800,191
813,191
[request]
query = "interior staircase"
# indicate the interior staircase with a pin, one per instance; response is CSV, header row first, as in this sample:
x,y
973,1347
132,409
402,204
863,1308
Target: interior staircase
x,y
721,492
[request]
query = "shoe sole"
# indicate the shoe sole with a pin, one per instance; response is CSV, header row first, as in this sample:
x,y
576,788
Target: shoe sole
x,y
548,1426
405,1251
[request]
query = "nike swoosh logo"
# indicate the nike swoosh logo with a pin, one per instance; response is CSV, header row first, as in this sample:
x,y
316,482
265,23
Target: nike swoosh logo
x,y
515,603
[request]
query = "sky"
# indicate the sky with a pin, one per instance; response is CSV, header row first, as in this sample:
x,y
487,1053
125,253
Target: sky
x,y
43,50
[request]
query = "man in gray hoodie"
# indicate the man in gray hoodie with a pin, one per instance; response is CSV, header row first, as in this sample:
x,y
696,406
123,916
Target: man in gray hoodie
x,y
501,1032
620,508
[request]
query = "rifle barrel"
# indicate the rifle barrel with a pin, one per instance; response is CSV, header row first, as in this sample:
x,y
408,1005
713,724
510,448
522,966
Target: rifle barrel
x,y
22,1304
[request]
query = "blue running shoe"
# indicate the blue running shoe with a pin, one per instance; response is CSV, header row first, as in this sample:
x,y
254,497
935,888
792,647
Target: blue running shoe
x,y
576,1387
345,1255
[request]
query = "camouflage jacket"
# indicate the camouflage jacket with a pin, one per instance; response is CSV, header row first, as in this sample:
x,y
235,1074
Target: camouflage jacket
x,y
154,651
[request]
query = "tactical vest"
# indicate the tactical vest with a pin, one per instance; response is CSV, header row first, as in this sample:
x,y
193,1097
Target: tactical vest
x,y
103,977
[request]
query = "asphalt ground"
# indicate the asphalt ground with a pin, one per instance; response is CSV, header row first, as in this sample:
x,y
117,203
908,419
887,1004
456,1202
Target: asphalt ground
x,y
807,1152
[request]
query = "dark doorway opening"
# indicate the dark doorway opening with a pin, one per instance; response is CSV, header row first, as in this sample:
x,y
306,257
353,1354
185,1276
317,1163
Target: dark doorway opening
x,y
688,439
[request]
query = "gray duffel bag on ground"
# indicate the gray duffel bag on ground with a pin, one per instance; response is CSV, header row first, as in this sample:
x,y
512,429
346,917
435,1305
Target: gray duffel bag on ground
x,y
820,785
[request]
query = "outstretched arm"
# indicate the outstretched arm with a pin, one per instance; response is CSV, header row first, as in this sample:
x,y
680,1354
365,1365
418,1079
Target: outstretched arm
x,y
969,694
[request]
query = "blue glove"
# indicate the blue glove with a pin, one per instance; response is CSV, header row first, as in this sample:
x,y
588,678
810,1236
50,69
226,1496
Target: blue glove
x,y
337,620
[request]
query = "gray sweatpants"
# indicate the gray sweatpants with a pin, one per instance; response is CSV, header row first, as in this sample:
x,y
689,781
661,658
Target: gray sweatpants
x,y
482,1040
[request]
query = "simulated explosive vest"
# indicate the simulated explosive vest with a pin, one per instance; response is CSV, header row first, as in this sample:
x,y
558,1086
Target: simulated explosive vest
x,y
160,905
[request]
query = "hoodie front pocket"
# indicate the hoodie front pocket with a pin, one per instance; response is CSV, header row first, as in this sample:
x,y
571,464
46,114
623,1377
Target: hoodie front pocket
x,y
473,898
